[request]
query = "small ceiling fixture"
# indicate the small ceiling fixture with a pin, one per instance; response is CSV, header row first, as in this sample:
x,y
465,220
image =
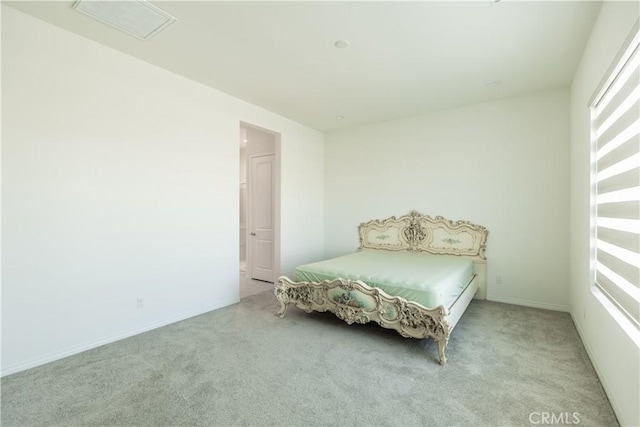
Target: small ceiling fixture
x,y
494,83
339,117
341,44
138,18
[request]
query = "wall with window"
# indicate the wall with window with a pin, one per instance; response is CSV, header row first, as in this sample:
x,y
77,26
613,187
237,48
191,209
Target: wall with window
x,y
613,348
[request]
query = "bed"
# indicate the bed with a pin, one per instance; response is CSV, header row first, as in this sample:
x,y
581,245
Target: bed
x,y
414,274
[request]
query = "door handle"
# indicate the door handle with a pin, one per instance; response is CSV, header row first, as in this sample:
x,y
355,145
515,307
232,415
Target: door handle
x,y
253,234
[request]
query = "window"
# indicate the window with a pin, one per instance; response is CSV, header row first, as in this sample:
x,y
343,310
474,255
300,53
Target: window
x,y
615,135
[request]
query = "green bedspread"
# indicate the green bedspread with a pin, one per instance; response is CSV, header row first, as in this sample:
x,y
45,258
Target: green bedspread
x,y
428,279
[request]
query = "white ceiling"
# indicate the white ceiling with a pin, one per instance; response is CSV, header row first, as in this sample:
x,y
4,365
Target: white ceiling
x,y
404,58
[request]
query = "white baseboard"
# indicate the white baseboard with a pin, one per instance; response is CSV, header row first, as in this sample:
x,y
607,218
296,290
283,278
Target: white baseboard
x,y
534,304
79,349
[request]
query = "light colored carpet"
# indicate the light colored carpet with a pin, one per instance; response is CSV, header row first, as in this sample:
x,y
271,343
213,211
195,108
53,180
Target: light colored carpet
x,y
242,365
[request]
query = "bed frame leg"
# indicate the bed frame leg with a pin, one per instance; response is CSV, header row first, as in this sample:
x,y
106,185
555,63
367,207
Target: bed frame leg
x,y
280,293
442,346
283,308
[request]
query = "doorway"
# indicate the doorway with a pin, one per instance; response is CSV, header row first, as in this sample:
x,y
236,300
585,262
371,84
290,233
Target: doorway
x,y
259,204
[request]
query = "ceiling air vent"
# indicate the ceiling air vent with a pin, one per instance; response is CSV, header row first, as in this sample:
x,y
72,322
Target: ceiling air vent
x,y
138,18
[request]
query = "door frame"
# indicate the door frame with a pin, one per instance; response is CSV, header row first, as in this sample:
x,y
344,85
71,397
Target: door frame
x,y
276,200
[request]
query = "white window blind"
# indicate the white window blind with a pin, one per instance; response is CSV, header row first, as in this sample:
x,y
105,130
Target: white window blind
x,y
615,121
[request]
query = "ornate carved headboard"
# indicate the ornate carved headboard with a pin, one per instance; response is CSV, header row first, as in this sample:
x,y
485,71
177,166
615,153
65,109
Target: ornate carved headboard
x,y
417,232
422,233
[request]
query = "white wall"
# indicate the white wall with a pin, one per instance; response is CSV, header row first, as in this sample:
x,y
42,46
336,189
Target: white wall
x,y
613,352
501,164
243,204
120,182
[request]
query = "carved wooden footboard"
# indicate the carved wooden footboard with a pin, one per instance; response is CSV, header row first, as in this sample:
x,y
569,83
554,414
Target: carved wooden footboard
x,y
355,302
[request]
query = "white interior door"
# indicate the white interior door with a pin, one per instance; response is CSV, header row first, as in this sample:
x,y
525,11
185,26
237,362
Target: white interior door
x,y
262,218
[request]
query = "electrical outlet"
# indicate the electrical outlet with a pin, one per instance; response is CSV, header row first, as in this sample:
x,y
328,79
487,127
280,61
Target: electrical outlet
x,y
499,280
139,303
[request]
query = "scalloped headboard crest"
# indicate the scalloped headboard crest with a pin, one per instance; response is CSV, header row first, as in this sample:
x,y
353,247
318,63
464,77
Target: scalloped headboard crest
x,y
422,233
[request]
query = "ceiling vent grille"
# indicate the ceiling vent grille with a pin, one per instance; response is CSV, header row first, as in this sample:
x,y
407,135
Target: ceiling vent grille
x,y
138,18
